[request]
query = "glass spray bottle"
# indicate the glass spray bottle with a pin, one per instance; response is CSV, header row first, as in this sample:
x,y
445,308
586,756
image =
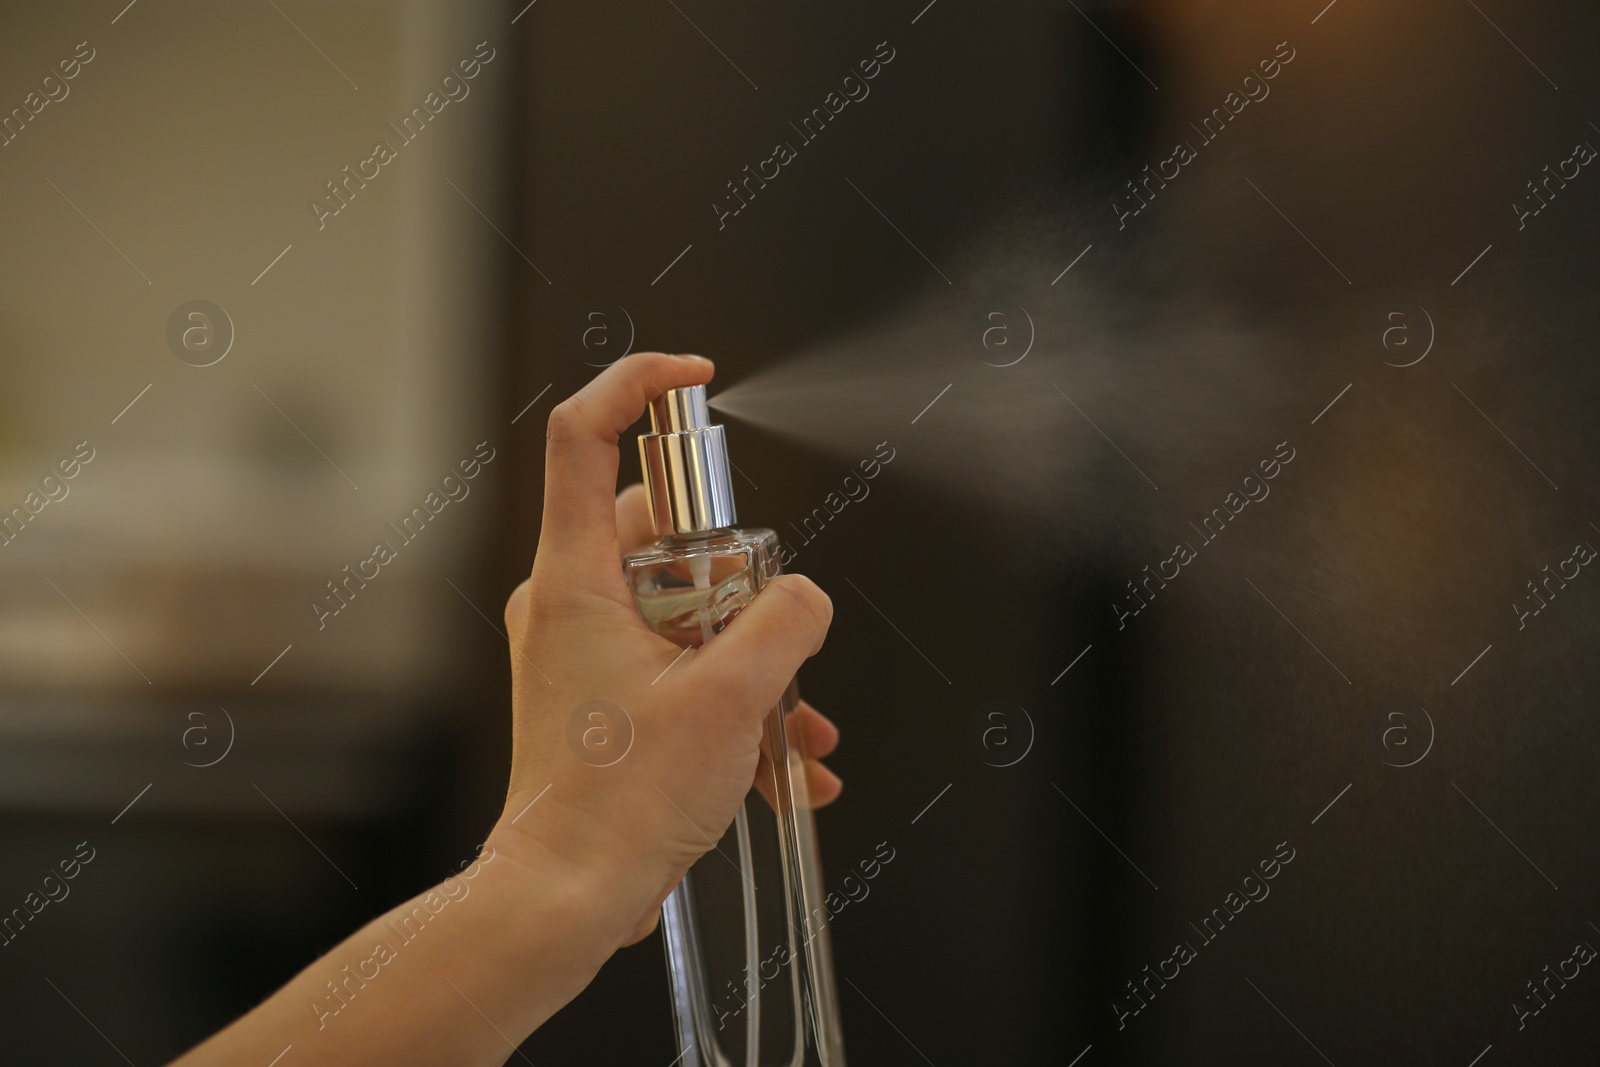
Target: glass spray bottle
x,y
747,939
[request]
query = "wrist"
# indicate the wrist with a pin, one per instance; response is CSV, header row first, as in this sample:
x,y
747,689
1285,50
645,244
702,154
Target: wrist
x,y
568,872
539,922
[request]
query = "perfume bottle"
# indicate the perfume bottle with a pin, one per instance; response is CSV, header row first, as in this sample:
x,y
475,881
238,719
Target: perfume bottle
x,y
746,930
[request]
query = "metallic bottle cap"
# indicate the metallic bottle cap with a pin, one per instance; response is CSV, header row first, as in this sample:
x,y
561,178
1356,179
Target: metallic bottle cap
x,y
685,461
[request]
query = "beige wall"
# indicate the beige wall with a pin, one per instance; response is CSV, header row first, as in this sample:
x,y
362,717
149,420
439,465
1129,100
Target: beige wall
x,y
205,525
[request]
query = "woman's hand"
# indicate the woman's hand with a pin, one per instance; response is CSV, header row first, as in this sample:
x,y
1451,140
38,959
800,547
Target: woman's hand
x,y
584,855
690,720
810,732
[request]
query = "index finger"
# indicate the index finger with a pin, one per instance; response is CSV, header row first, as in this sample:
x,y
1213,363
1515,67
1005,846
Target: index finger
x,y
748,665
581,458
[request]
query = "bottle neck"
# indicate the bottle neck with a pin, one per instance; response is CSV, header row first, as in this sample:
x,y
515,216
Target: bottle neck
x,y
699,537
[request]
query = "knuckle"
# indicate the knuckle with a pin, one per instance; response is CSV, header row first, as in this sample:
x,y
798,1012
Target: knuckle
x,y
647,366
517,607
644,360
564,419
807,598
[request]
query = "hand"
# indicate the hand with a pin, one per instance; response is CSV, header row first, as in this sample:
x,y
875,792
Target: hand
x,y
810,732
630,830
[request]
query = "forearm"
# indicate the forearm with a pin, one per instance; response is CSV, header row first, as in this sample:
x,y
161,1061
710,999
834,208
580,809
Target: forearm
x,y
458,974
462,973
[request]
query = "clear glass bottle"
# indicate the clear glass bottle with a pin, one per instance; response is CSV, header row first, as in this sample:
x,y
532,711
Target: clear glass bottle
x,y
746,930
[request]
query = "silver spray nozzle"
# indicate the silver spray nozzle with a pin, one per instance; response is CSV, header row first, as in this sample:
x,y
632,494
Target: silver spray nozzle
x,y
685,461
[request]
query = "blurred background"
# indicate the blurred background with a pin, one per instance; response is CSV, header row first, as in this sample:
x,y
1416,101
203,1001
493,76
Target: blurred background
x,y
1368,269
